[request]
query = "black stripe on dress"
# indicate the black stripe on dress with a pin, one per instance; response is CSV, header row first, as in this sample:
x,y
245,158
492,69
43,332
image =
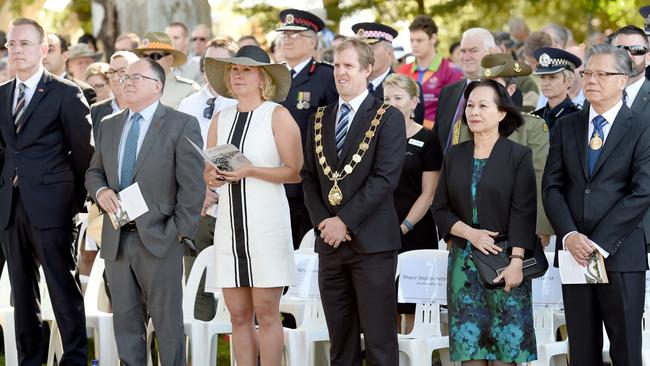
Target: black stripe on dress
x,y
237,203
243,182
232,221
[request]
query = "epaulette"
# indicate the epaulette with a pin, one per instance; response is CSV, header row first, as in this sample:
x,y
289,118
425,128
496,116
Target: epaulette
x,y
324,63
531,115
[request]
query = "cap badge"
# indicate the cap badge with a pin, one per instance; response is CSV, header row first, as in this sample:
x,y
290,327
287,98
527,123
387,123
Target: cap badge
x,y
289,19
517,68
487,73
360,32
544,60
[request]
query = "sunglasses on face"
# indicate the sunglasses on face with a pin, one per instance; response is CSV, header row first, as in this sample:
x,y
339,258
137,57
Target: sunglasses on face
x,y
636,50
202,39
156,55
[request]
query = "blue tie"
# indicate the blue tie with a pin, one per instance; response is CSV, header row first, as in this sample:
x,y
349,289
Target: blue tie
x,y
130,152
594,151
342,127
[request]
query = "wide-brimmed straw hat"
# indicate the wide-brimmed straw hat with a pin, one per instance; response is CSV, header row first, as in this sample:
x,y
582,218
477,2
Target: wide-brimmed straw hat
x,y
215,68
159,41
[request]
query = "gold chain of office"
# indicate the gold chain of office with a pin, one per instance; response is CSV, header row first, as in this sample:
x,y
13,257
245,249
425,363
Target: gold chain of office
x,y
335,195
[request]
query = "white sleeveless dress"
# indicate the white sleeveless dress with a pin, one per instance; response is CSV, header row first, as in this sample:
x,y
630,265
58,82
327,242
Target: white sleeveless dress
x,y
252,237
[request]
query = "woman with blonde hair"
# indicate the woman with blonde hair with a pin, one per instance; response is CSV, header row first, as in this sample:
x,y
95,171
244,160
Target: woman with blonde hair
x,y
253,244
95,75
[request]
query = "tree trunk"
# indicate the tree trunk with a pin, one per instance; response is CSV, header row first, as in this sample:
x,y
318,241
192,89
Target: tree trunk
x,y
140,16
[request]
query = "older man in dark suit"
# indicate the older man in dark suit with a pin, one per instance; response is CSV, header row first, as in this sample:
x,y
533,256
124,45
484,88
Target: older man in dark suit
x,y
596,191
147,144
46,132
353,160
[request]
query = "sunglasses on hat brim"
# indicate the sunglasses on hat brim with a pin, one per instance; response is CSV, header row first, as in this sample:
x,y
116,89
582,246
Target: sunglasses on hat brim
x,y
636,50
155,56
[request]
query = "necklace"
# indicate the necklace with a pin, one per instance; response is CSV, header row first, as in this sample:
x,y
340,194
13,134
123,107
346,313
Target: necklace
x,y
335,195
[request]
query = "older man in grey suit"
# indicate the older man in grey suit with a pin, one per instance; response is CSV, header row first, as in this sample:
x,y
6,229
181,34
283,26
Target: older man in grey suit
x,y
146,144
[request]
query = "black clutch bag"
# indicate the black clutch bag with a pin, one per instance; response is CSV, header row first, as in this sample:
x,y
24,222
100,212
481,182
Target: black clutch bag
x,y
490,266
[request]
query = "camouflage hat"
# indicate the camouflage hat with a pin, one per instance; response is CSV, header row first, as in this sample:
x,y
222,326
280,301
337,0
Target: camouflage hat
x,y
159,41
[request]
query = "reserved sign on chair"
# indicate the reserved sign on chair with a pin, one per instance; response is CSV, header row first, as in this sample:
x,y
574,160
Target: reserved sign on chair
x,y
423,277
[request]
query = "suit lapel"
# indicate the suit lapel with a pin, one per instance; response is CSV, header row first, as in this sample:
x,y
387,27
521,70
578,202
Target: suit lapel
x,y
463,166
619,128
580,138
157,123
303,75
119,120
642,98
9,125
329,140
360,123
39,93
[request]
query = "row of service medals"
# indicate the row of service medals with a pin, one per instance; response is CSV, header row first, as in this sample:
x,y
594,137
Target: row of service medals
x,y
304,99
335,195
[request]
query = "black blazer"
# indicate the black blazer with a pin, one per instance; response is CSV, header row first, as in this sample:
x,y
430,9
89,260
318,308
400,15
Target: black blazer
x,y
506,198
367,208
98,111
450,96
641,105
50,155
608,206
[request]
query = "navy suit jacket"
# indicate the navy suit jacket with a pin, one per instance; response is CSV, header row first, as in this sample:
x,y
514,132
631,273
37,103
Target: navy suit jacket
x,y
49,156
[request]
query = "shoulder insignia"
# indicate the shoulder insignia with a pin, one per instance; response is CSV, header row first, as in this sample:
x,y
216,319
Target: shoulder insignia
x,y
328,64
545,127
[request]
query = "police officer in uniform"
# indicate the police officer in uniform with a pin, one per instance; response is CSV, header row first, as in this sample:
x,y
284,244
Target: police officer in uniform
x,y
380,38
504,69
158,46
556,68
312,86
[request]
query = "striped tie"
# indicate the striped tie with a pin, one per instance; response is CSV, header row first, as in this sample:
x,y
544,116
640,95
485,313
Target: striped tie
x,y
342,127
130,152
20,106
593,152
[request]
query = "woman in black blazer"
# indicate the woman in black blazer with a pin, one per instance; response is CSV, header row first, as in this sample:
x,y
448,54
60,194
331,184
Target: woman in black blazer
x,y
487,187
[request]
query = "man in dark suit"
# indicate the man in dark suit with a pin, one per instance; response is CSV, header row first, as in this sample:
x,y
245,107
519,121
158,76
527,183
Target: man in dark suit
x,y
353,159
595,196
380,38
47,149
56,63
147,144
312,86
117,68
637,93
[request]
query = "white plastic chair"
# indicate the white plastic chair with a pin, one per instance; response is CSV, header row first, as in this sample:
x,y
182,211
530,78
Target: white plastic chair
x,y
426,335
547,299
203,335
307,242
300,343
7,319
99,317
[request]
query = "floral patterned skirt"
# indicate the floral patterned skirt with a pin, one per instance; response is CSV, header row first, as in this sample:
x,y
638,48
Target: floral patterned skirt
x,y
486,324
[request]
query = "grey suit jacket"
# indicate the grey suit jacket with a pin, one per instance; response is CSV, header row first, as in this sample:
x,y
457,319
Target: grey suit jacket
x,y
168,171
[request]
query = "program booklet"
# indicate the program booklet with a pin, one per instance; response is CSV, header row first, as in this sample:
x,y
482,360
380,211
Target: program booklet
x,y
225,157
132,206
571,272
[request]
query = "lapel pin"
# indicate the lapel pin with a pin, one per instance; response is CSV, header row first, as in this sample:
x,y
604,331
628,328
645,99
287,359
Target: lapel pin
x,y
40,90
157,124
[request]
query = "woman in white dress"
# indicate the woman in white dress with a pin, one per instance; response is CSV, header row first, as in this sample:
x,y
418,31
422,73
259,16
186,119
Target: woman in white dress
x,y
253,244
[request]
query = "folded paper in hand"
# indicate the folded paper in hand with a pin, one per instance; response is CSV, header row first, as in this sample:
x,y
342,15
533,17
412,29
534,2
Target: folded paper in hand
x,y
571,272
132,206
224,157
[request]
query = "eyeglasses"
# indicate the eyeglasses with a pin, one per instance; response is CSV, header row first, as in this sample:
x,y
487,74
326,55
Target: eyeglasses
x,y
156,55
135,77
119,72
12,45
599,75
202,39
635,50
293,36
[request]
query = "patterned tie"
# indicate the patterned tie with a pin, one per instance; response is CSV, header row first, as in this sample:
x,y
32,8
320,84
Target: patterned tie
x,y
593,152
20,106
625,97
452,139
130,152
342,127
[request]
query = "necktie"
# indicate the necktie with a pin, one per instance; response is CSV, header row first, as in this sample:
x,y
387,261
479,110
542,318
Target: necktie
x,y
292,72
371,88
625,97
342,127
452,139
596,141
209,110
130,152
20,106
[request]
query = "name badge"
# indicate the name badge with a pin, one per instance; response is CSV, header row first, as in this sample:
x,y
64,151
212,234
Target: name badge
x,y
415,142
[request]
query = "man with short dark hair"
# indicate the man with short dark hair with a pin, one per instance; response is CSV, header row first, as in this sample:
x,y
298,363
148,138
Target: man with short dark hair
x,y
596,191
179,35
430,69
46,137
56,62
201,35
354,154
147,144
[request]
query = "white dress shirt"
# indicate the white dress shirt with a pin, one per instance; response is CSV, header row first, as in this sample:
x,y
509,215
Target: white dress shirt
x,y
298,68
354,104
30,87
196,103
380,79
632,90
